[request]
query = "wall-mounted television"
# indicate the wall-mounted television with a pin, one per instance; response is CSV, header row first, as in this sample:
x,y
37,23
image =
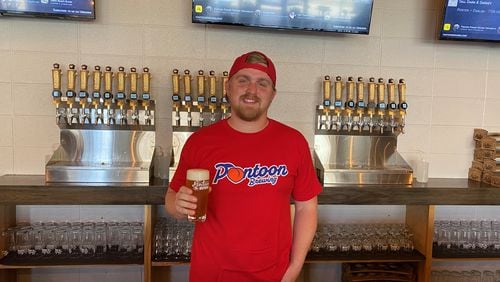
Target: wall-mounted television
x,y
471,20
346,16
61,9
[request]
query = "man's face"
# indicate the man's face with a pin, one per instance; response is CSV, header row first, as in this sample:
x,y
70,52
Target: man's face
x,y
250,93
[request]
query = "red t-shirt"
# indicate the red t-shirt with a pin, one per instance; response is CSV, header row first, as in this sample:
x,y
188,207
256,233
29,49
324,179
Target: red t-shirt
x,y
247,235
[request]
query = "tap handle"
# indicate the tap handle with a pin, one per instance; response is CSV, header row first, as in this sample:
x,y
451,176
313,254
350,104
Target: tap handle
x,y
96,83
200,83
84,81
187,87
350,92
338,92
371,93
108,83
175,87
71,76
146,84
327,91
56,81
391,94
120,86
402,94
224,80
360,92
133,79
212,85
381,93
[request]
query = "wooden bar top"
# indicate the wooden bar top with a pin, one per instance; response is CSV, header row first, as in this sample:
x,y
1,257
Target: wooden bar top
x,y
33,190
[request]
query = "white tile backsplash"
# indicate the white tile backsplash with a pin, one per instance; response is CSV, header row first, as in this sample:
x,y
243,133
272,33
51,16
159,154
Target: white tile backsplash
x,y
457,111
460,55
5,66
6,98
111,39
360,50
459,83
5,35
7,157
451,140
175,42
35,131
29,101
402,52
492,89
6,139
409,23
452,88
49,36
35,67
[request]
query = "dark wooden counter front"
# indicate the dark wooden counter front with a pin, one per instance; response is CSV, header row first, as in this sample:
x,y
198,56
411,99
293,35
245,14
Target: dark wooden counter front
x,y
32,190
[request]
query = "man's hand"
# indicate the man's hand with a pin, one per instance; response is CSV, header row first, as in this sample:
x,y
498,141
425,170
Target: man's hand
x,y
185,202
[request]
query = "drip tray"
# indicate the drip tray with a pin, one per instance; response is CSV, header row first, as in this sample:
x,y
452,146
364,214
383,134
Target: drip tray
x,y
359,175
64,171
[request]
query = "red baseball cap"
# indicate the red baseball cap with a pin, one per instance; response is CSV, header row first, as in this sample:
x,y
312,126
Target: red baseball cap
x,y
241,63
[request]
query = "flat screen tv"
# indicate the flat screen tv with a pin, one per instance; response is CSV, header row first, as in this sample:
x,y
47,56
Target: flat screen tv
x,y
471,20
61,9
347,16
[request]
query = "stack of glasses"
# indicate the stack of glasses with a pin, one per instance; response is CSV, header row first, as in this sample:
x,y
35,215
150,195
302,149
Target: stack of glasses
x,y
75,240
172,240
466,238
465,276
355,239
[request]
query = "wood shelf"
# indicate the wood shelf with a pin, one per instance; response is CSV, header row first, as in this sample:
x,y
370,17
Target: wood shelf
x,y
419,200
33,190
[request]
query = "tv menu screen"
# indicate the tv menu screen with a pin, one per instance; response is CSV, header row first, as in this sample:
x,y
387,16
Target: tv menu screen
x,y
471,20
63,8
350,16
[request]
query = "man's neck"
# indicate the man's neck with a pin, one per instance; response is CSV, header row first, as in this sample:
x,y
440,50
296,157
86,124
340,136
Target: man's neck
x,y
248,126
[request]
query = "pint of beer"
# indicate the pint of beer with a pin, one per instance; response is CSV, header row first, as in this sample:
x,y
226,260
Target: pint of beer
x,y
198,180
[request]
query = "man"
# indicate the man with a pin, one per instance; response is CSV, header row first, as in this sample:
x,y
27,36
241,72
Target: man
x,y
256,164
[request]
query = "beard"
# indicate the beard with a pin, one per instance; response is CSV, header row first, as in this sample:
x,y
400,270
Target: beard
x,y
248,113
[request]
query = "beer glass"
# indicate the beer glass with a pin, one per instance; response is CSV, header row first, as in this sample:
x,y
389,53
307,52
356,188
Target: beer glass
x,y
197,180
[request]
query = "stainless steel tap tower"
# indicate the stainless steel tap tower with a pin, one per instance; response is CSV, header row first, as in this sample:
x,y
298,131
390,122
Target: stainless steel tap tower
x,y
108,133
356,138
188,113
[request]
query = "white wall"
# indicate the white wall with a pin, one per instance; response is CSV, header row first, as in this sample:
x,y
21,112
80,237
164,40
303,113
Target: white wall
x,y
452,86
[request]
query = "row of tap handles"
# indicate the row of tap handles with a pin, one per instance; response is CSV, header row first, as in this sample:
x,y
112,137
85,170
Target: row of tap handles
x,y
108,101
206,100
353,111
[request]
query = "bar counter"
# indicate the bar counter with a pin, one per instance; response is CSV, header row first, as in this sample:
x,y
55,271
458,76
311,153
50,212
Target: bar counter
x,y
33,190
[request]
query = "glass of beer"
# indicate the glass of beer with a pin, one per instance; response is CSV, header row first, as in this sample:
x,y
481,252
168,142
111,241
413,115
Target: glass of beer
x,y
198,180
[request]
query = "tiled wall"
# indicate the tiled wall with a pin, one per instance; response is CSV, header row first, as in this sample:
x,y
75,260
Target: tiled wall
x,y
452,86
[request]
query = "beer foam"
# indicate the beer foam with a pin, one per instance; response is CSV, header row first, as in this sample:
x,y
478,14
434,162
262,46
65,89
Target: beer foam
x,y
198,174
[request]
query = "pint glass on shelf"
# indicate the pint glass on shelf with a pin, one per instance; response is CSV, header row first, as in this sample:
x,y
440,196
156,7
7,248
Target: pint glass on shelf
x,y
198,180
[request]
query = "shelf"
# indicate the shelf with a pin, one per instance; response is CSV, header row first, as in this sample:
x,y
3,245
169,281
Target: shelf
x,y
13,261
33,190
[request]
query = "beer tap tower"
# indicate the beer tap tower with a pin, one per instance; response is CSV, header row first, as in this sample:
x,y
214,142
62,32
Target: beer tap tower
x,y
347,148
188,114
94,147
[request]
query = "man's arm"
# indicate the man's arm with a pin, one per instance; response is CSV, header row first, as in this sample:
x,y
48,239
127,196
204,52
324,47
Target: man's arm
x,y
304,228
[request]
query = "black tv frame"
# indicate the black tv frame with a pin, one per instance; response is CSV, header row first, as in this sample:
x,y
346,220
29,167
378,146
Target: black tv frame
x,y
461,39
16,13
281,28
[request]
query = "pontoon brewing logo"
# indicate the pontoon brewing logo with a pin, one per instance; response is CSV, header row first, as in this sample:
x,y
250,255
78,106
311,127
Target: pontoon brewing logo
x,y
256,175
